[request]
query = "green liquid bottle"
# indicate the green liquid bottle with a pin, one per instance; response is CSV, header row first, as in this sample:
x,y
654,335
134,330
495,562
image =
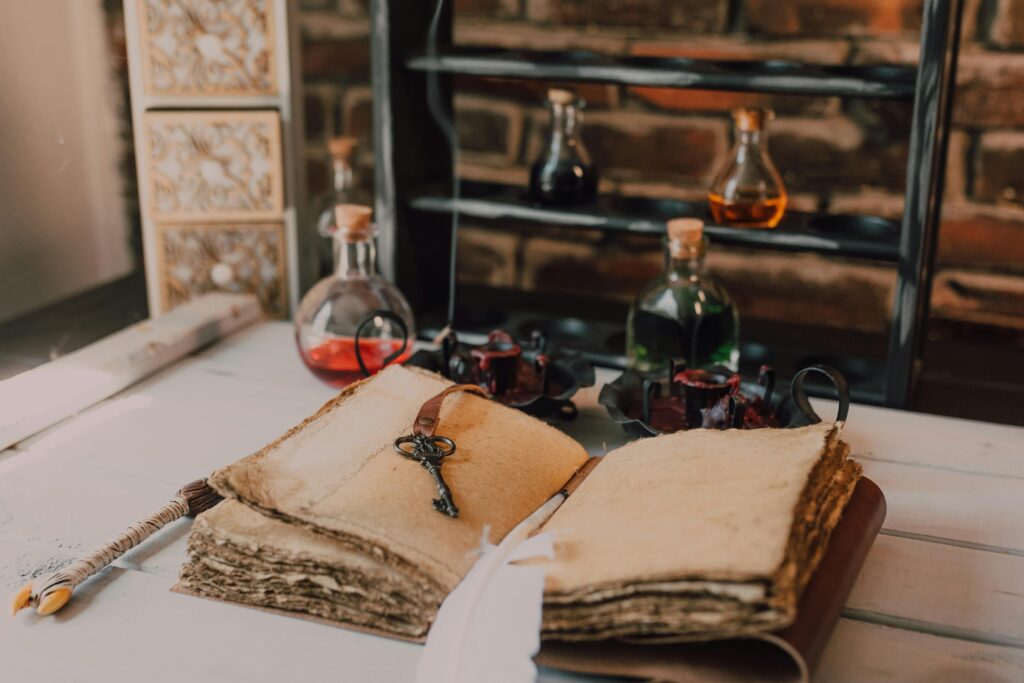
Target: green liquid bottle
x,y
684,314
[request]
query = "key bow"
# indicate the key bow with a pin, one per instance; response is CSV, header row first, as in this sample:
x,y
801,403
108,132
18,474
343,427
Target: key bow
x,y
425,447
430,451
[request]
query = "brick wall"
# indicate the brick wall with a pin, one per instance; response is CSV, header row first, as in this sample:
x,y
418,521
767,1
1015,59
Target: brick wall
x,y
835,155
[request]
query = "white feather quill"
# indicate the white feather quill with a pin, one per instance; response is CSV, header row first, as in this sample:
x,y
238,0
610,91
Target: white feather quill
x,y
488,628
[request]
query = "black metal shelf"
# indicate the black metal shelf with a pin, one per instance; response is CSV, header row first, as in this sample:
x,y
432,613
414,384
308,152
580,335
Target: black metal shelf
x,y
845,235
412,152
773,76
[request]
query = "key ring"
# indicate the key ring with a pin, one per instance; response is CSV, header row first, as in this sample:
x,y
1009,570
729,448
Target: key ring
x,y
425,445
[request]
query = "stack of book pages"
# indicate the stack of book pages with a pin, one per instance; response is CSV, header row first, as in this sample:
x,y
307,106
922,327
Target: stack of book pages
x,y
695,535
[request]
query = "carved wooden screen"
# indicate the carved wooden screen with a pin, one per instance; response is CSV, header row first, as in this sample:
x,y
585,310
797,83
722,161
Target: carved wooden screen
x,y
216,124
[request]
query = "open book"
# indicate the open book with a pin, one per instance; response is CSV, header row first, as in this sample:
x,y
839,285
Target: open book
x,y
689,536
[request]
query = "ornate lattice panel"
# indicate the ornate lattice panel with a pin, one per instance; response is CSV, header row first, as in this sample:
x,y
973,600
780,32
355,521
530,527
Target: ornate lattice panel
x,y
214,119
243,257
213,165
208,47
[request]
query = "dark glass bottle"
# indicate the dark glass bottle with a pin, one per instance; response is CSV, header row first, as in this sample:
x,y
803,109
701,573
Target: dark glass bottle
x,y
684,314
563,175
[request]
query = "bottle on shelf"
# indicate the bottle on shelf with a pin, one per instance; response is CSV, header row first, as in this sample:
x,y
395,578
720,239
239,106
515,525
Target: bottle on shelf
x,y
563,175
343,191
748,191
684,316
353,323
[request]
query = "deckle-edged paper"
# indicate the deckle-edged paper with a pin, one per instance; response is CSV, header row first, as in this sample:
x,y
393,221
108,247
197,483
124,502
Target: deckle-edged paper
x,y
696,535
330,520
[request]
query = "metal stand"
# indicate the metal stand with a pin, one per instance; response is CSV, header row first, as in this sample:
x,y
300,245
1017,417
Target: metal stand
x,y
413,163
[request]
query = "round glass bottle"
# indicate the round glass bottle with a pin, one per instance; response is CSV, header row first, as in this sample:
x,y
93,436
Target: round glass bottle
x,y
563,175
354,322
685,314
748,191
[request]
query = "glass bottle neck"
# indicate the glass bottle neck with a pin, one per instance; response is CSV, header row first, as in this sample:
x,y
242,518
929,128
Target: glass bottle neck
x,y
752,137
749,141
565,119
354,259
684,262
342,175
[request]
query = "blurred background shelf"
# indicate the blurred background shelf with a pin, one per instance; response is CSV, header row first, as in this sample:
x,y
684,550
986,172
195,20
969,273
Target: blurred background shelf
x,y
966,375
843,235
597,331
413,153
772,76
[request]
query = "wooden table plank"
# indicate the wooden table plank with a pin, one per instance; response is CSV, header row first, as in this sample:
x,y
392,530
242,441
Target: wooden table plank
x,y
193,422
41,397
136,629
266,352
955,492
916,439
956,591
867,653
21,562
971,510
139,630
84,480
73,505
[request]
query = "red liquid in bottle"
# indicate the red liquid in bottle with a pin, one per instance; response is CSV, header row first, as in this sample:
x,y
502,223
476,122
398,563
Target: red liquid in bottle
x,y
335,361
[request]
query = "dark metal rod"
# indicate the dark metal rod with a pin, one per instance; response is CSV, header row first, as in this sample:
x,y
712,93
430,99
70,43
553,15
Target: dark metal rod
x,y
783,238
439,111
940,39
409,150
895,82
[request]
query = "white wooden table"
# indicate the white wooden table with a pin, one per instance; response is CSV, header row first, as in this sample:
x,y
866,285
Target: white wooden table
x,y
941,597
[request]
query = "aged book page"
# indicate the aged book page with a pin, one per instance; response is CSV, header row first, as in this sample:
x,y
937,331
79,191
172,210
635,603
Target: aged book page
x,y
695,535
241,555
703,533
337,474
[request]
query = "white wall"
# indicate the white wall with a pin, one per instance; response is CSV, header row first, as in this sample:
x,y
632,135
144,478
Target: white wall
x,y
62,219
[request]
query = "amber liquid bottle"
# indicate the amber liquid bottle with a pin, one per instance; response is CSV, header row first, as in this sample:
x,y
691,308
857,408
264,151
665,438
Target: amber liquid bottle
x,y
748,191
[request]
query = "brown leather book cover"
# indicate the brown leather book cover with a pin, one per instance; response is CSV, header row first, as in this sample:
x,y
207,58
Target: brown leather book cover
x,y
787,655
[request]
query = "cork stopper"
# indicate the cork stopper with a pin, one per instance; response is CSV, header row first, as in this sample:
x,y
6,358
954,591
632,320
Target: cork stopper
x,y
751,119
685,236
341,148
353,222
561,96
686,231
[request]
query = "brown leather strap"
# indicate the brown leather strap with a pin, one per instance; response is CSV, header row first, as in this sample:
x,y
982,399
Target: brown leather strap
x,y
430,413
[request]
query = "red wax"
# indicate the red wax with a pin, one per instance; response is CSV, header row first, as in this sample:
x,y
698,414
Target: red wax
x,y
335,361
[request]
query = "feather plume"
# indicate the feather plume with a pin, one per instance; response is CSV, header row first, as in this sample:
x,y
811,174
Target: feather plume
x,y
488,628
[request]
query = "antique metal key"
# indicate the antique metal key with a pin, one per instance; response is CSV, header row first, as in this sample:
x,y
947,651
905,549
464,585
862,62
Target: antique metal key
x,y
430,452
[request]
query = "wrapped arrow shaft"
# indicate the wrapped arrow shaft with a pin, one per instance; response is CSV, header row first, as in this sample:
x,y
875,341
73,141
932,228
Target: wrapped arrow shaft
x,y
52,593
